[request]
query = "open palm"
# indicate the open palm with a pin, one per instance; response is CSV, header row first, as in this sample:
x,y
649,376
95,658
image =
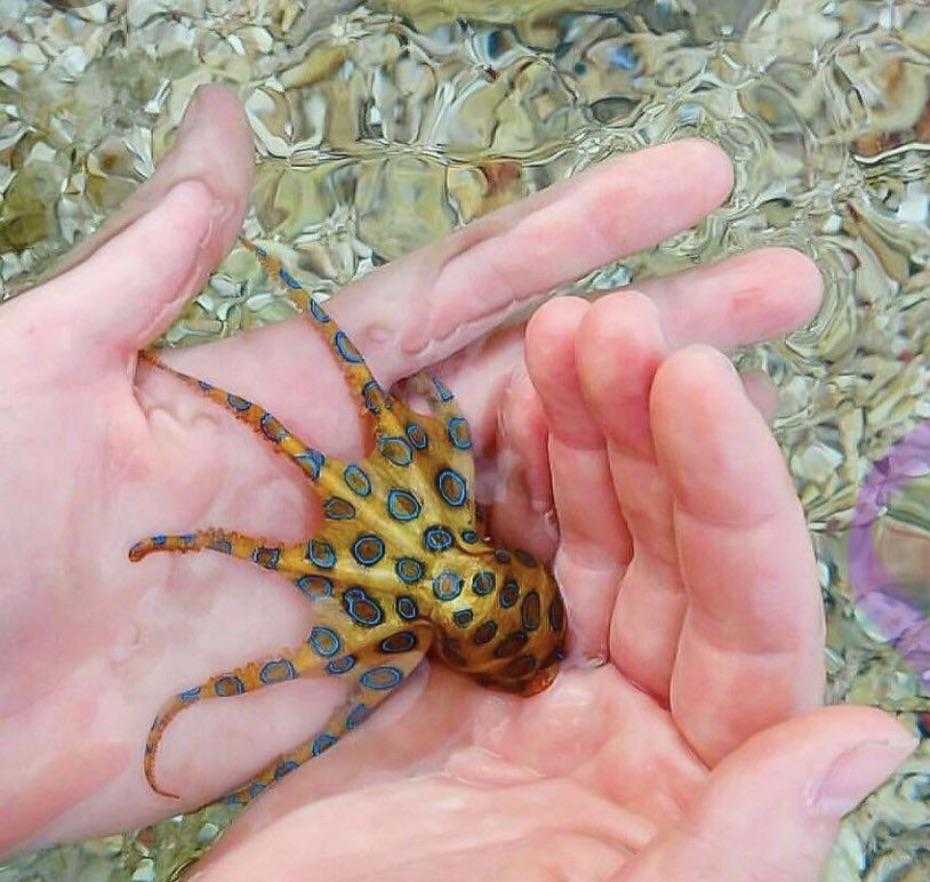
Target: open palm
x,y
701,595
650,766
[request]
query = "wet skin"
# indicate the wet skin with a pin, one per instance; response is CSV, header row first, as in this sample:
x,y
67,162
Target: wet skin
x,y
401,568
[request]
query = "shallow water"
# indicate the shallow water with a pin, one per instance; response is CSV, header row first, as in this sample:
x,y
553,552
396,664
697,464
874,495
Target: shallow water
x,y
452,111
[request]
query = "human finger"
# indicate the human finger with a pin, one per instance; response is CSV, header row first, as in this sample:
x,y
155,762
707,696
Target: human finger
x,y
522,515
750,652
423,307
759,295
594,544
812,770
152,256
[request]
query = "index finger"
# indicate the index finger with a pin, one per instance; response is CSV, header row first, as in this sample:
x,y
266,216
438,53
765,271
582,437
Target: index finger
x,y
750,653
431,303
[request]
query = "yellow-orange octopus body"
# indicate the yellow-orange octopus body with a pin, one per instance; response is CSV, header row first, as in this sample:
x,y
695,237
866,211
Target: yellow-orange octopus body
x,y
400,567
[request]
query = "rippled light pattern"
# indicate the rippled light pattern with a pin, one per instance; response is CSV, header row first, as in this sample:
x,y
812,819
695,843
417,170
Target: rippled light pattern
x,y
450,111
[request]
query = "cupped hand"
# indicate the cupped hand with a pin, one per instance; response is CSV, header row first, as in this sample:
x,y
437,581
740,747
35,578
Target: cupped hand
x,y
98,454
697,752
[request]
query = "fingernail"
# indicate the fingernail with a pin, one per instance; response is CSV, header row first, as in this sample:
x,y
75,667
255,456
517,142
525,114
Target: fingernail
x,y
857,772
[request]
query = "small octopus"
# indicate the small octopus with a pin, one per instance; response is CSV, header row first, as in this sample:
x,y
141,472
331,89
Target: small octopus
x,y
400,568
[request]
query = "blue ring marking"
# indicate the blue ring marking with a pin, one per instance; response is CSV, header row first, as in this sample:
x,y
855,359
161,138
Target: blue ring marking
x,y
525,558
338,509
189,695
238,403
381,678
321,553
501,555
362,607
277,671
368,549
325,641
442,390
315,587
511,644
448,585
356,716
227,685
255,789
409,570
356,480
373,395
557,614
160,539
311,461
459,433
207,387
402,505
520,667
345,348
451,486
288,279
463,617
406,607
416,435
317,311
509,594
437,538
483,583
485,633
233,799
396,450
402,641
224,546
530,611
272,429
341,665
323,742
469,536
187,538
269,558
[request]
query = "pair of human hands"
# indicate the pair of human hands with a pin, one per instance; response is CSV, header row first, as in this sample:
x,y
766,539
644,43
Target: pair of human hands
x,y
621,446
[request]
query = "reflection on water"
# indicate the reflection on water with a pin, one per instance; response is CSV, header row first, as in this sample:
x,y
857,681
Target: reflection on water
x,y
381,126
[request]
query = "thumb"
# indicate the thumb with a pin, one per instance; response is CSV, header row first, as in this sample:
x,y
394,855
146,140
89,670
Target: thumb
x,y
123,286
772,808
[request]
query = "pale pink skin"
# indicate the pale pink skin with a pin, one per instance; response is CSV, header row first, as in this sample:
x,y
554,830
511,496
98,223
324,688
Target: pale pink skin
x,y
695,753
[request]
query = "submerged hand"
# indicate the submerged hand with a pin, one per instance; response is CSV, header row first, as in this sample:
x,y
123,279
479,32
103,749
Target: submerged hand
x,y
696,753
93,645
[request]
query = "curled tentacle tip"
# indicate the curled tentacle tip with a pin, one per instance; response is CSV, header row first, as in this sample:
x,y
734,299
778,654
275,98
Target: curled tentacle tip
x,y
137,552
149,776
